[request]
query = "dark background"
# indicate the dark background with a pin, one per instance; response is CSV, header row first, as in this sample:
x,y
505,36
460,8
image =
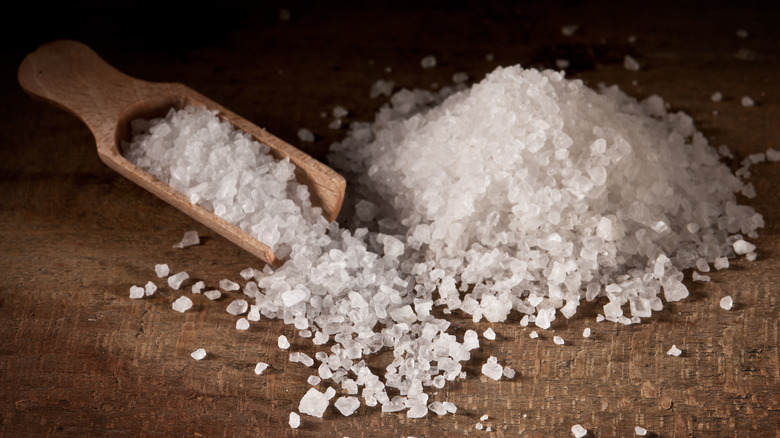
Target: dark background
x,y
78,358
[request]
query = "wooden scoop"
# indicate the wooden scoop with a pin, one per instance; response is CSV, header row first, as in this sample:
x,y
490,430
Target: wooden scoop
x,y
73,77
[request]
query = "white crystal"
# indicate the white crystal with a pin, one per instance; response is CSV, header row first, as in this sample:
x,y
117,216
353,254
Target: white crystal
x,y
586,332
228,285
742,247
198,287
150,288
489,334
161,270
578,431
198,354
558,340
726,302
182,304
176,280
242,324
313,403
295,420
190,239
283,342
212,294
136,292
640,431
674,351
260,367
347,405
237,307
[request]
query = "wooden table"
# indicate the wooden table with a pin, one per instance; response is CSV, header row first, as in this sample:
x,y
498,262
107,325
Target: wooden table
x,y
79,358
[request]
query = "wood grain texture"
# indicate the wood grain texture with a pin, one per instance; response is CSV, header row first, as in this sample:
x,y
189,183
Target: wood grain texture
x,y
79,358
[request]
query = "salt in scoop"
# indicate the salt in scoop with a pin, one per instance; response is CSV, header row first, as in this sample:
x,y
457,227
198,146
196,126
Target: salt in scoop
x,y
73,77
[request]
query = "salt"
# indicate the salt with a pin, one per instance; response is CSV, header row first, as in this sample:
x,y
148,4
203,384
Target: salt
x,y
586,332
492,369
198,287
489,334
260,367
578,431
182,304
313,380
674,351
305,135
295,420
428,62
347,405
176,280
313,403
237,307
136,292
716,96
190,239
150,288
640,431
283,342
161,270
726,302
631,64
558,340
747,101
242,324
534,335
228,285
212,294
198,354
742,247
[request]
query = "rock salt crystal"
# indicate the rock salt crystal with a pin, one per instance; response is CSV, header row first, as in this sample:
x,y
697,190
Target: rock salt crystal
x,y
161,270
198,354
136,292
726,302
295,420
742,247
182,304
578,431
190,239
674,351
586,332
313,380
176,280
228,285
198,287
428,62
640,431
347,405
305,135
489,334
283,342
631,64
212,294
492,369
260,367
558,340
242,324
534,335
313,403
237,307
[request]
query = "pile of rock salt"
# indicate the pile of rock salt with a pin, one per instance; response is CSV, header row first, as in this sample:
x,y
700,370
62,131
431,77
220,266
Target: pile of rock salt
x,y
526,192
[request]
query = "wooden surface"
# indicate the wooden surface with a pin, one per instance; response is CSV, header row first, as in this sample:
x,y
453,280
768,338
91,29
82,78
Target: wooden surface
x,y
79,358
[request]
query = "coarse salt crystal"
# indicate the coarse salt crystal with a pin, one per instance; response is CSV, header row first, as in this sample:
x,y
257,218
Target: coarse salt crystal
x,y
283,342
228,285
161,270
347,405
295,420
631,64
198,287
534,335
578,431
428,61
305,135
237,307
198,354
489,334
190,239
484,417
150,288
716,96
747,101
182,304
726,302
641,431
176,280
586,332
212,294
742,247
313,380
558,340
260,367
242,324
674,351
136,292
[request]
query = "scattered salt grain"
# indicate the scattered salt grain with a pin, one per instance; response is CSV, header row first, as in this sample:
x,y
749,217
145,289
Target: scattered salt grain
x,y
428,62
534,335
247,274
460,77
176,280
305,135
347,405
437,408
747,101
700,277
283,342
509,373
450,407
161,270
716,96
586,332
228,285
631,64
599,317
198,287
198,354
381,88
742,247
190,239
238,307
558,340
136,292
313,403
674,351
488,429
721,263
578,431
569,29
489,334
242,324
150,288
726,302
751,256
260,367
479,426
493,369
772,155
484,417
295,420
182,304
212,294
339,111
